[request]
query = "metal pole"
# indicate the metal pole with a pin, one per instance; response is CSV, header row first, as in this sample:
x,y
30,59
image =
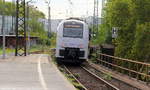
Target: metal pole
x,y
27,25
97,16
13,16
25,43
20,28
49,21
49,17
16,27
28,46
3,32
94,17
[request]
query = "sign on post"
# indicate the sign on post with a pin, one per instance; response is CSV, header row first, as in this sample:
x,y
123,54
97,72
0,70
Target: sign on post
x,y
115,32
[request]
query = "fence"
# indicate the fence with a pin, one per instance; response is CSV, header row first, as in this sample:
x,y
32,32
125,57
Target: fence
x,y
135,69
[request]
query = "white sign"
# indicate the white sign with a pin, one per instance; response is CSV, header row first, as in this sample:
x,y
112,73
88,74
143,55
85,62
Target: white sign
x,y
115,32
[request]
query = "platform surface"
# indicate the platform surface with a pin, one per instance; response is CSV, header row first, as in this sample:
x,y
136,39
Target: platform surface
x,y
34,72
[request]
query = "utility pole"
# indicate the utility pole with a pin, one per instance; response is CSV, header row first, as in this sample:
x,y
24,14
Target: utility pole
x,y
103,11
28,43
71,8
103,5
49,21
95,16
49,17
3,32
20,28
13,17
27,25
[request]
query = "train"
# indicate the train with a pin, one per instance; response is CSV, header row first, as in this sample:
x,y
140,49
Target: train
x,y
72,41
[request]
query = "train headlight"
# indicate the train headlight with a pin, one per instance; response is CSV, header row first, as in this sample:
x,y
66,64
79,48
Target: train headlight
x,y
62,45
81,46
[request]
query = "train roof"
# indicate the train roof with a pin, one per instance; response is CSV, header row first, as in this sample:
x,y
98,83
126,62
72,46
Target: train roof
x,y
69,20
74,18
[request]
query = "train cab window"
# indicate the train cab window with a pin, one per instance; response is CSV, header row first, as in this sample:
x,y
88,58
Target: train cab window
x,y
73,30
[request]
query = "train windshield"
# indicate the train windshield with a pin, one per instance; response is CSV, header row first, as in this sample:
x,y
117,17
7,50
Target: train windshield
x,y
73,29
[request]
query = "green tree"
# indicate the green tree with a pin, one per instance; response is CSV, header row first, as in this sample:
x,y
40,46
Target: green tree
x,y
36,28
132,17
141,10
101,35
118,15
141,47
10,10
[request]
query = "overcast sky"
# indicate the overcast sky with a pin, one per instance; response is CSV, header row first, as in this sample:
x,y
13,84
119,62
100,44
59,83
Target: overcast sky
x,y
61,8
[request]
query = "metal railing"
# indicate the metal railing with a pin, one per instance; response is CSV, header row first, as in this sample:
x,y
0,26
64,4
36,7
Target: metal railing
x,y
132,68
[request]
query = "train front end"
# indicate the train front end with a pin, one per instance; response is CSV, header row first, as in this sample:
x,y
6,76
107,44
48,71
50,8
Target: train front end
x,y
72,41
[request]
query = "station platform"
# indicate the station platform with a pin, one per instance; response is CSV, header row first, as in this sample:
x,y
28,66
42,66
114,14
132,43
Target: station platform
x,y
34,72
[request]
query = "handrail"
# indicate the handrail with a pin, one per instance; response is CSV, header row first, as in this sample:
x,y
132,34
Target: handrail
x,y
124,68
137,70
129,60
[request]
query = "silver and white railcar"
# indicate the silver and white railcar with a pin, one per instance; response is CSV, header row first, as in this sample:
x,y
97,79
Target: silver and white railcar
x,y
72,41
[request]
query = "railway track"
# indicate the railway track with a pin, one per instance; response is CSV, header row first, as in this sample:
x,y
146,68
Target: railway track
x,y
119,84
89,80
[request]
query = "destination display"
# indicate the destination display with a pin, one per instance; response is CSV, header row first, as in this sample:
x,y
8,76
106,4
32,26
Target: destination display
x,y
73,29
73,25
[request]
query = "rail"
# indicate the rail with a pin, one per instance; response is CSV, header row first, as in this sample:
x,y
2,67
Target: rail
x,y
132,68
75,78
110,86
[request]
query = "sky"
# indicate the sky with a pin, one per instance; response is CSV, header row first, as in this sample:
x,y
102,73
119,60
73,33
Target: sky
x,y
61,9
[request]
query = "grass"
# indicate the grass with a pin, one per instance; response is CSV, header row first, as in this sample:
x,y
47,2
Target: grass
x,y
107,76
70,78
8,50
32,49
39,48
35,48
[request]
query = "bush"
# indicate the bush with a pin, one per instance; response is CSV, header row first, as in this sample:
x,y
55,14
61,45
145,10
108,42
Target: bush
x,y
141,48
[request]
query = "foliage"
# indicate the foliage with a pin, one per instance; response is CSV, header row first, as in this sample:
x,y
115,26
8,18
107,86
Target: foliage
x,y
8,50
53,40
132,17
100,35
107,76
34,13
118,15
36,28
44,49
141,47
10,8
